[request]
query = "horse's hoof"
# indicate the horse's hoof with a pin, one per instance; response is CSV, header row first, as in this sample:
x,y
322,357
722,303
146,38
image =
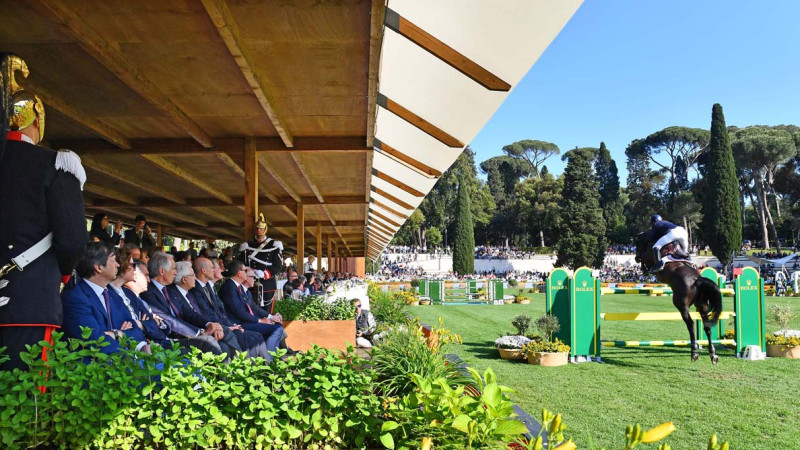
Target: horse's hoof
x,y
714,359
695,356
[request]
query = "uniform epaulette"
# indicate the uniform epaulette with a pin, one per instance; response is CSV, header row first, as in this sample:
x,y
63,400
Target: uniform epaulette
x,y
70,162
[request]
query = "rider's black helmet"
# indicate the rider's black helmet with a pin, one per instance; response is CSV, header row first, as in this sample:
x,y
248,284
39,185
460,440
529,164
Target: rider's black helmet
x,y
654,218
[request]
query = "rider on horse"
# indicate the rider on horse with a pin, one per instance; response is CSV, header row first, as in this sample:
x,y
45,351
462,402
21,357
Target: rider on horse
x,y
663,233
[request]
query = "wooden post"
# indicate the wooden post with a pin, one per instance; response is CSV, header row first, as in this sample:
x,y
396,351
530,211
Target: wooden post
x,y
250,188
335,260
319,247
301,237
330,263
160,237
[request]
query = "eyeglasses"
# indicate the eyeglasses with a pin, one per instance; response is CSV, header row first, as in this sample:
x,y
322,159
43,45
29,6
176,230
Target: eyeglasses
x,y
251,276
358,305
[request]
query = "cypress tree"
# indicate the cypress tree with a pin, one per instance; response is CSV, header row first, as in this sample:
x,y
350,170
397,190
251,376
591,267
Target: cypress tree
x,y
608,187
722,214
463,234
582,226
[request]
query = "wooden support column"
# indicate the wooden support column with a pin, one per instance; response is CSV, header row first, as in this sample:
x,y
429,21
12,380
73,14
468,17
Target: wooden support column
x,y
301,236
335,260
330,263
250,188
319,247
160,238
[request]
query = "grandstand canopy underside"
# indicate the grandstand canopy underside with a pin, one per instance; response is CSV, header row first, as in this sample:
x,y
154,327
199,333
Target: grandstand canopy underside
x,y
332,118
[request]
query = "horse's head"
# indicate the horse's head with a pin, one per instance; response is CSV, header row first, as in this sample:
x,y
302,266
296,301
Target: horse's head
x,y
644,253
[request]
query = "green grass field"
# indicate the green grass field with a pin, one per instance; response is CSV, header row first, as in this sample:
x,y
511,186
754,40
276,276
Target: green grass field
x,y
751,404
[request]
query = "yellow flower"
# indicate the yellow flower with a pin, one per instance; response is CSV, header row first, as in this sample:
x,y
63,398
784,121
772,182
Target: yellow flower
x,y
569,445
658,433
427,443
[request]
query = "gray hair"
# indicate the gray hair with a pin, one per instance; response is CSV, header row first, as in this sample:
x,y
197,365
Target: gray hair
x,y
160,260
184,269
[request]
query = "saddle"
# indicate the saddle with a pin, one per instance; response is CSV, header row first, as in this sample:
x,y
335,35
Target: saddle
x,y
674,252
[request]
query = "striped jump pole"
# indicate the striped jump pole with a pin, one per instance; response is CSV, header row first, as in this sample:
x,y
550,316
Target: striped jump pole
x,y
674,343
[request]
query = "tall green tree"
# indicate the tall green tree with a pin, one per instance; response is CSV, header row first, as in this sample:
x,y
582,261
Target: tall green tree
x,y
581,225
536,205
722,216
463,234
759,152
642,190
608,185
534,152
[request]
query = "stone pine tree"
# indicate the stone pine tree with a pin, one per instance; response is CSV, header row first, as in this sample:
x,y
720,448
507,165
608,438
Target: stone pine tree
x,y
722,215
608,186
463,235
581,224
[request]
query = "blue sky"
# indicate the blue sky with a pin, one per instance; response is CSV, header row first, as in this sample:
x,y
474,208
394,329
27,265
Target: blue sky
x,y
620,70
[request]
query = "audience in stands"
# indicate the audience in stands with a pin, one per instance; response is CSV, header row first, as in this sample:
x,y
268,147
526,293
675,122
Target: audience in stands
x,y
98,231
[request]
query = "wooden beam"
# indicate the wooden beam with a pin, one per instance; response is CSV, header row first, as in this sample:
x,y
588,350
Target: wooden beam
x,y
380,233
110,193
226,25
391,198
444,52
319,247
267,165
374,223
212,202
69,21
218,215
376,19
301,236
391,210
397,183
100,128
185,175
186,218
160,235
133,181
341,223
228,161
328,246
386,219
407,160
250,189
230,146
419,122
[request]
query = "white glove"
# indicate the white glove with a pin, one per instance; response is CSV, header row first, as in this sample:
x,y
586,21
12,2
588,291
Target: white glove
x,y
259,273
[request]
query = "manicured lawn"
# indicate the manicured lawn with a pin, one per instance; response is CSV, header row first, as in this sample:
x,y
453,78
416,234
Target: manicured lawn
x,y
751,404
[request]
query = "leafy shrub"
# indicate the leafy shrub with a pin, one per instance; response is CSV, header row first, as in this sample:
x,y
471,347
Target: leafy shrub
x,y
388,309
415,283
166,400
511,342
407,297
403,352
448,418
522,322
781,339
315,308
513,282
782,315
548,325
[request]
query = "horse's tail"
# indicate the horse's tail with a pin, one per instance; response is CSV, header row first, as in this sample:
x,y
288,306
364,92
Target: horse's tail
x,y
706,291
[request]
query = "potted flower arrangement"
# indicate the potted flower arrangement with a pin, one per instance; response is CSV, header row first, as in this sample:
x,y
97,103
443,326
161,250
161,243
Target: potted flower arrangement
x,y
547,351
784,343
510,346
521,299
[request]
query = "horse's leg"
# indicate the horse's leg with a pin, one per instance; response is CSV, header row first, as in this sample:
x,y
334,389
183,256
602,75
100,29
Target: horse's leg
x,y
687,319
707,327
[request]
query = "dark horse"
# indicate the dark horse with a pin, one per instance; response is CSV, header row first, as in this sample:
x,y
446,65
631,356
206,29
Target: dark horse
x,y
688,288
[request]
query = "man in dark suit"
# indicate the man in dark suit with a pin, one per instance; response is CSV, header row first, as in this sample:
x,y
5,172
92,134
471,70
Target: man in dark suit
x,y
159,326
140,235
40,197
211,306
90,303
242,309
189,309
162,273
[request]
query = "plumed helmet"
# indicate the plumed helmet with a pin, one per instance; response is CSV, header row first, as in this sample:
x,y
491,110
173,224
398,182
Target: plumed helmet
x,y
24,107
261,222
654,218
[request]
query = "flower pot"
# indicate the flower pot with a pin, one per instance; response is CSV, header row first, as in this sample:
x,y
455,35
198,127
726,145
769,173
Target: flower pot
x,y
414,303
511,353
524,301
333,334
782,351
548,359
508,302
424,302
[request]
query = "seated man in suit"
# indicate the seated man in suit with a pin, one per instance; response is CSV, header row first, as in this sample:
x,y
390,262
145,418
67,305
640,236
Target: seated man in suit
x,y
162,273
89,303
244,310
188,308
211,307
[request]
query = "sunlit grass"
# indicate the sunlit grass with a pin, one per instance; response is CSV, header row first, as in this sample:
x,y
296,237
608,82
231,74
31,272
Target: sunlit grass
x,y
751,404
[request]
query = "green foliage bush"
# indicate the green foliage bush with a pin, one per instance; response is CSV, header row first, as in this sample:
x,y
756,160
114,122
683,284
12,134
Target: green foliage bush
x,y
315,308
403,352
388,309
166,400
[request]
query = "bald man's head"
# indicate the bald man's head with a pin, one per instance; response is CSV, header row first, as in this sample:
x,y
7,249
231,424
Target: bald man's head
x,y
203,269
